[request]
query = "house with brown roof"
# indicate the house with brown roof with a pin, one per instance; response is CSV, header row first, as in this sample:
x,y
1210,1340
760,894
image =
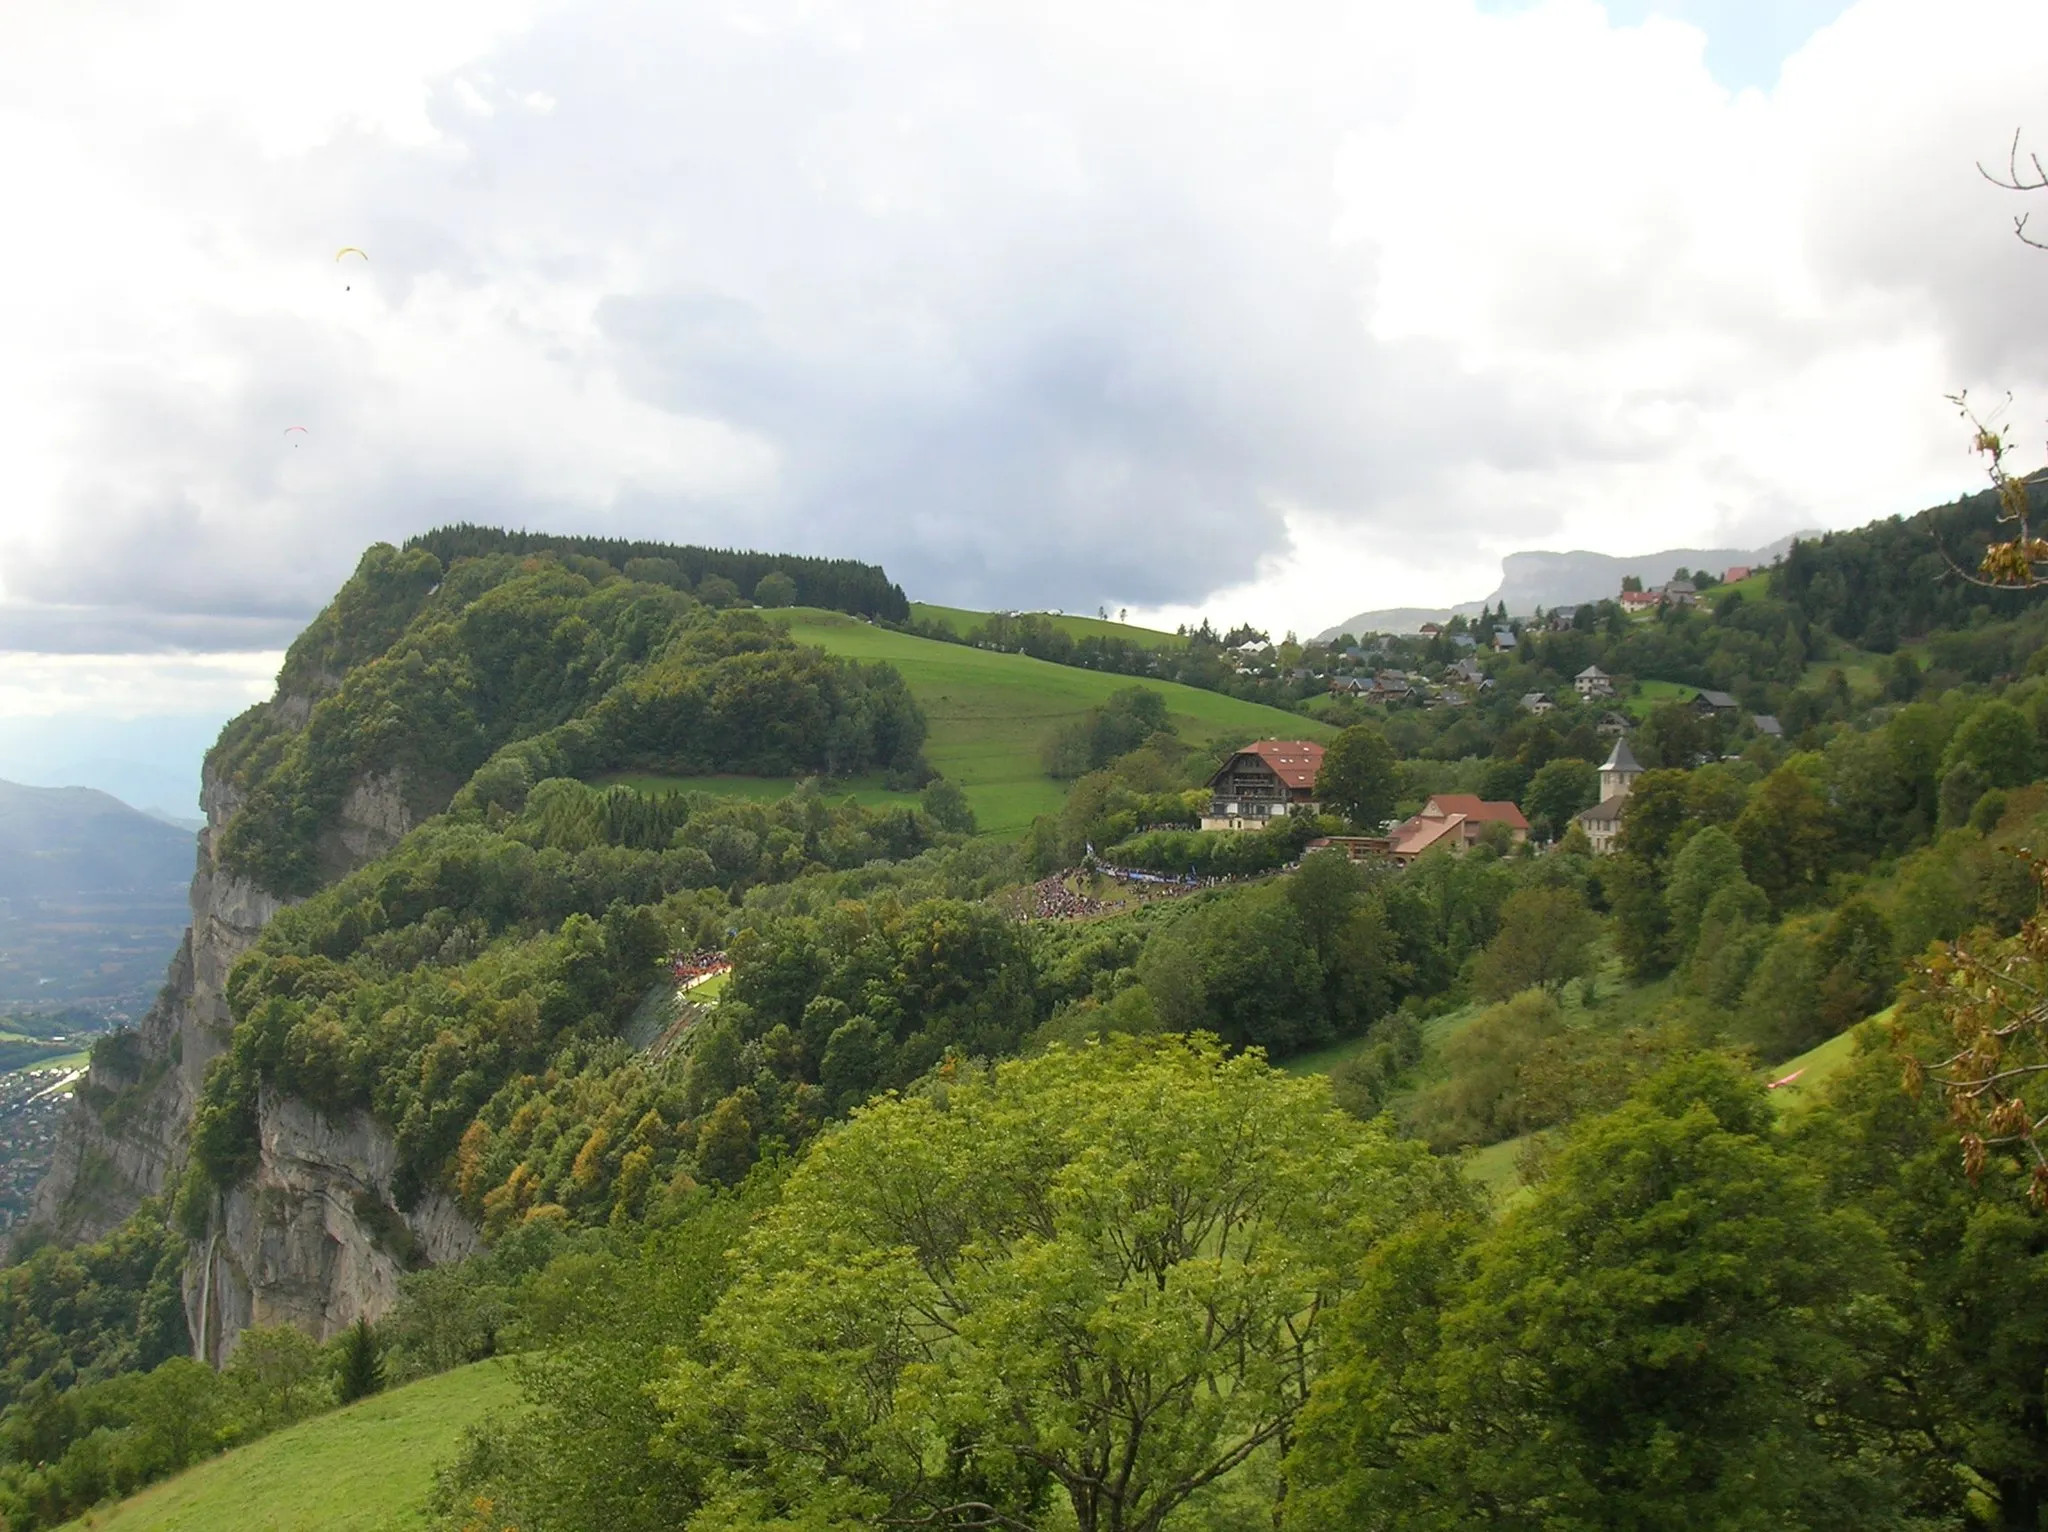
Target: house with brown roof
x,y
1639,600
1450,820
1266,780
1736,572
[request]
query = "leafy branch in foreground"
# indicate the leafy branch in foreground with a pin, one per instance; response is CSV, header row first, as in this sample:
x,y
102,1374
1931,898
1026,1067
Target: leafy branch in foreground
x,y
1995,1001
2021,561
2017,563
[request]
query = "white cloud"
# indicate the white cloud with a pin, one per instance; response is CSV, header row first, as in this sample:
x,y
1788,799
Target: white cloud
x,y
116,686
1271,313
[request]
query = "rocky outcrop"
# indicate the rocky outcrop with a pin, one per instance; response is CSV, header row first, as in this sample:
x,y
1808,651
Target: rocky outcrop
x,y
313,1238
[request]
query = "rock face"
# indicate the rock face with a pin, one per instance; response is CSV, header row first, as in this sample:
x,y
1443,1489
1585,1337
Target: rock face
x,y
312,1239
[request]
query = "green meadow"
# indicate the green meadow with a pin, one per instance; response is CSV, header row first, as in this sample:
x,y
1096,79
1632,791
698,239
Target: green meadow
x,y
1648,694
365,1468
990,713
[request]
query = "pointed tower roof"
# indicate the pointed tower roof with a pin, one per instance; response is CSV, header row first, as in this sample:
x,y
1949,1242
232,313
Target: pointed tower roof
x,y
1621,758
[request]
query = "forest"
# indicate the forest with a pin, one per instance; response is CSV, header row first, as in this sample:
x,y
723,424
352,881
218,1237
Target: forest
x,y
1327,1194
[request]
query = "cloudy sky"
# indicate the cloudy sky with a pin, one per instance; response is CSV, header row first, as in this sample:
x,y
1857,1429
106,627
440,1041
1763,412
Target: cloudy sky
x,y
1266,311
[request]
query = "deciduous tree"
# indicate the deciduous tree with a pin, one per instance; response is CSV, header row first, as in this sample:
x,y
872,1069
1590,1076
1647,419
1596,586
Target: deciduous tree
x,y
1545,940
1559,790
1097,1276
1358,777
1662,1337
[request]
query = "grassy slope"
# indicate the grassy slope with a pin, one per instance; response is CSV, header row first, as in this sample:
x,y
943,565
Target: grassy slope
x,y
1817,1066
963,622
1493,1165
367,1468
991,713
1648,694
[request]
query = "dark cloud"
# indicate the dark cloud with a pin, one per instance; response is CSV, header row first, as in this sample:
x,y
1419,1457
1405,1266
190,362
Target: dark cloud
x,y
1017,331
142,630
1034,310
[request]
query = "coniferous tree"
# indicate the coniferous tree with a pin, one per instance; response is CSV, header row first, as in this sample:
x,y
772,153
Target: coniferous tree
x,y
362,1364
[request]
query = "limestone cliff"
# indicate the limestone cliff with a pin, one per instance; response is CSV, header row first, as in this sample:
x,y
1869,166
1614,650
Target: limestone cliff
x,y
312,1238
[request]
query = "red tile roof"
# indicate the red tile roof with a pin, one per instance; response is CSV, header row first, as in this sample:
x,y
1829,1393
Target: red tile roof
x,y
1414,836
1293,761
1475,808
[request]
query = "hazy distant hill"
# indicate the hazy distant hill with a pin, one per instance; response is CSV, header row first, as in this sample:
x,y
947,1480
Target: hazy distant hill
x,y
1530,580
151,763
92,896
71,840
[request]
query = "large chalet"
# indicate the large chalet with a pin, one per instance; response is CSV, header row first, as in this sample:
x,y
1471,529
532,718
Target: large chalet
x,y
1264,781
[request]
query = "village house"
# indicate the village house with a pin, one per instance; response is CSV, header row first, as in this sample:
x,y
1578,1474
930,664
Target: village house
x,y
1593,682
1264,781
1767,726
1349,686
1711,704
1537,703
1681,593
1466,671
1736,572
1639,600
1503,640
1431,629
1602,822
1464,641
1450,820
1612,724
1562,618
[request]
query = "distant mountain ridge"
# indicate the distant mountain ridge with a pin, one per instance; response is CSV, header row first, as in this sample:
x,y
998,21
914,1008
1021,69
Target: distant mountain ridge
x,y
92,897
1542,579
57,842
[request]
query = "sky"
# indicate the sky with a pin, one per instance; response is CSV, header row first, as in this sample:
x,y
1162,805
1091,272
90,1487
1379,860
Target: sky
x,y
1269,312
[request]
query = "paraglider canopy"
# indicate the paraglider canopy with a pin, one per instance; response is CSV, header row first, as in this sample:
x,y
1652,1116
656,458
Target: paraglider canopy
x,y
349,287
300,429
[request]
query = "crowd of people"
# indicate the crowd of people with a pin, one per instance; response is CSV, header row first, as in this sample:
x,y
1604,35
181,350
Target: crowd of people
x,y
1055,898
1051,899
693,967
